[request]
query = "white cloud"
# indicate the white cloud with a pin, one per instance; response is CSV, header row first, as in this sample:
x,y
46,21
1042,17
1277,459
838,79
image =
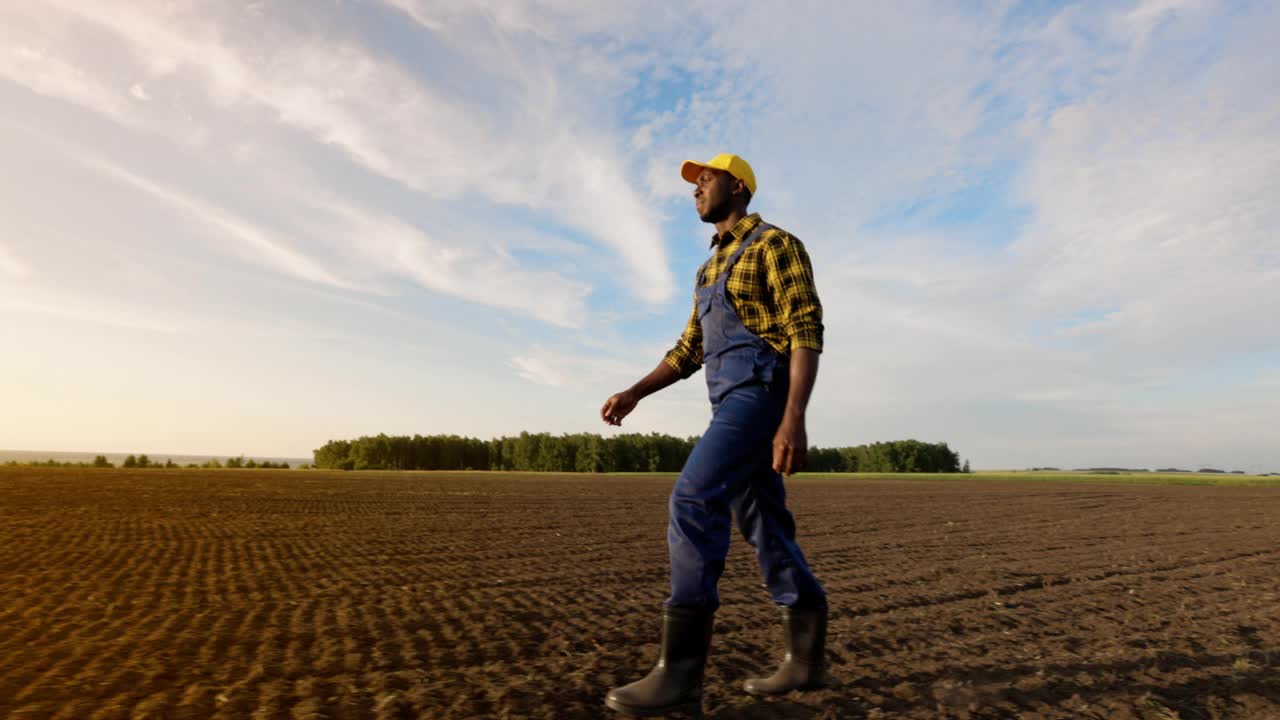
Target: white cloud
x,y
547,366
475,273
1160,205
55,77
260,245
393,124
1143,19
536,371
529,151
825,117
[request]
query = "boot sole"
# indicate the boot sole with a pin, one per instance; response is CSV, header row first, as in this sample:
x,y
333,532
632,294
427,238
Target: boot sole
x,y
692,706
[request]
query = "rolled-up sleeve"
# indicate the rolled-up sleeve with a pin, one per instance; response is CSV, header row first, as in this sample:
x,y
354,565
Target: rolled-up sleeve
x,y
686,357
790,277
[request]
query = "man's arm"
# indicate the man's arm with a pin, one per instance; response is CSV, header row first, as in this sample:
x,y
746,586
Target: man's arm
x,y
789,274
791,442
679,363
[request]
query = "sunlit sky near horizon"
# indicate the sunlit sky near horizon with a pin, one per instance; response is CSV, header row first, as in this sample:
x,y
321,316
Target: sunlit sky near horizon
x,y
1045,233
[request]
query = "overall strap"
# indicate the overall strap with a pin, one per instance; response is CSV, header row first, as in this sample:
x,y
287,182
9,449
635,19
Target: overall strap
x,y
733,259
702,273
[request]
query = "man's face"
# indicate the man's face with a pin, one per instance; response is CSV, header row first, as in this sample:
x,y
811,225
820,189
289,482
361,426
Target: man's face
x,y
713,195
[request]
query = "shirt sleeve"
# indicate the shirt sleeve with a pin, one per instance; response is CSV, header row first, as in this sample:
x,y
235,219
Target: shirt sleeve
x,y
789,275
686,357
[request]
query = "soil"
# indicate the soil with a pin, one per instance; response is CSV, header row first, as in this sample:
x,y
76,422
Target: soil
x,y
306,594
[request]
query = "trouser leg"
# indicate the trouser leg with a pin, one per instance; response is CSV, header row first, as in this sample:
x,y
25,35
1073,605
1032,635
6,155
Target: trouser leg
x,y
766,523
716,472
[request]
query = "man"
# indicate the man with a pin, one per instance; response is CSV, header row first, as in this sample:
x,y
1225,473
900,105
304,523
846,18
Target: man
x,y
757,328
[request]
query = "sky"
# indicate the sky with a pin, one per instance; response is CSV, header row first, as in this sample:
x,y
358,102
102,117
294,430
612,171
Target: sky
x,y
1047,234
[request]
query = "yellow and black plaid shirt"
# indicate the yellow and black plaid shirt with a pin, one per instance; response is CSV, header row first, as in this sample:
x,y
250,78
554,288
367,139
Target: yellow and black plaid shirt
x,y
771,287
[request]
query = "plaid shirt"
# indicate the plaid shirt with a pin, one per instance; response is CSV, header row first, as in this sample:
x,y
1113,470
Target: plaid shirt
x,y
771,287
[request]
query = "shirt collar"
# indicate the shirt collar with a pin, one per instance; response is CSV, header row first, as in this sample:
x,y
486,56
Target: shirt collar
x,y
740,230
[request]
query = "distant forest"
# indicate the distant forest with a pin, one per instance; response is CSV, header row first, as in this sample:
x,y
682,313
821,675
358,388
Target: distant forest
x,y
142,461
591,453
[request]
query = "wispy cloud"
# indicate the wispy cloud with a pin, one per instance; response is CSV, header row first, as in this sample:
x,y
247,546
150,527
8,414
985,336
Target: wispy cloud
x,y
53,76
547,366
1156,203
389,122
259,245
478,273
398,124
540,148
1147,15
537,371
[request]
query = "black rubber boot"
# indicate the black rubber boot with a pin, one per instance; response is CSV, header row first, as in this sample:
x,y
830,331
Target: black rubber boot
x,y
675,683
804,667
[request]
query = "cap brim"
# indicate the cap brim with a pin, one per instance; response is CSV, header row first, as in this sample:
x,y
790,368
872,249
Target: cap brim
x,y
690,170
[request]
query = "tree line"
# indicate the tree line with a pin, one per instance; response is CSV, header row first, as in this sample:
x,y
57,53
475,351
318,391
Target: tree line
x,y
142,461
591,453
897,456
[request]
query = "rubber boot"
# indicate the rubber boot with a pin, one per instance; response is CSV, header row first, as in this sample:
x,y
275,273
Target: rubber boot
x,y
804,667
675,683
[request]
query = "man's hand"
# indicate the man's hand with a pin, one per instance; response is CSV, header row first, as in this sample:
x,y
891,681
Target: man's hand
x,y
621,405
790,445
618,407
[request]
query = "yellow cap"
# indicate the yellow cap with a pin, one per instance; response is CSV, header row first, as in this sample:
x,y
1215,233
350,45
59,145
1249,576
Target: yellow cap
x,y
730,163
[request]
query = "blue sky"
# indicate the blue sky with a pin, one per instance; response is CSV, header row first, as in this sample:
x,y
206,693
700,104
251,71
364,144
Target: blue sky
x,y
1045,233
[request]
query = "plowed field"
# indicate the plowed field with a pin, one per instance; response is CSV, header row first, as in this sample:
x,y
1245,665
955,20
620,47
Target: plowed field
x,y
302,594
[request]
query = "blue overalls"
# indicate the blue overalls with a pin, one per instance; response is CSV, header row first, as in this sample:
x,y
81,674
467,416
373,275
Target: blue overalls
x,y
731,468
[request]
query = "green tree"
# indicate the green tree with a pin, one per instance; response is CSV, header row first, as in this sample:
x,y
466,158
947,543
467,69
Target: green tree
x,y
101,461
590,456
332,454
